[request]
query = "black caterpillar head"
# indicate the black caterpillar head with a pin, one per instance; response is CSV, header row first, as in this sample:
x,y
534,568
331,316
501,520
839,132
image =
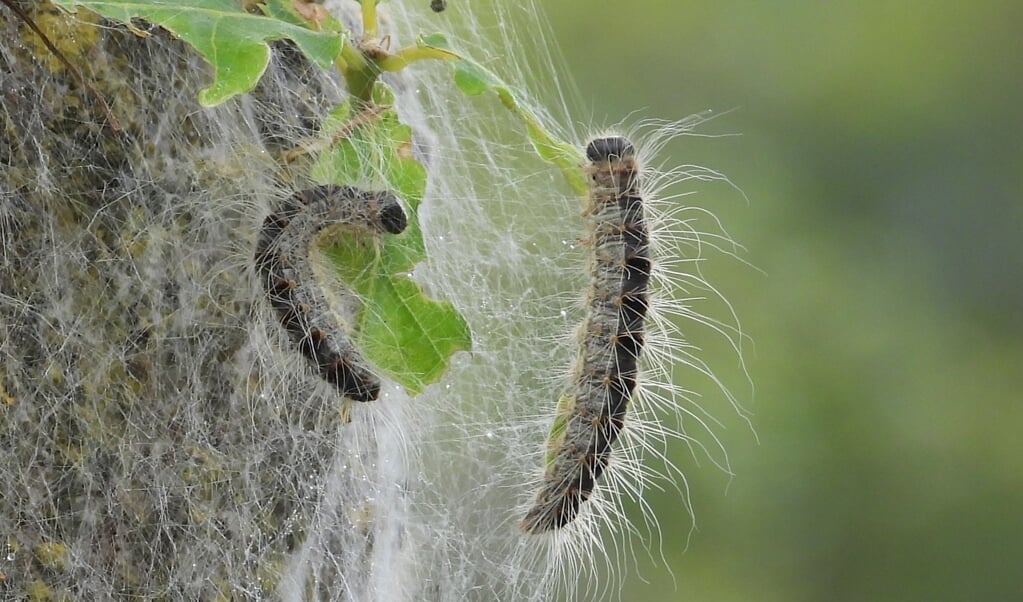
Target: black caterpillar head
x,y
603,149
392,217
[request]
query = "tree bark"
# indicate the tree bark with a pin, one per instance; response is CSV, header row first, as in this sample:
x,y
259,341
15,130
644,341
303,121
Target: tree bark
x,y
155,441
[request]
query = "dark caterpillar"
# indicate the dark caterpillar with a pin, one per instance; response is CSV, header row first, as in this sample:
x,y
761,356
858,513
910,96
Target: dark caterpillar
x,y
284,268
611,337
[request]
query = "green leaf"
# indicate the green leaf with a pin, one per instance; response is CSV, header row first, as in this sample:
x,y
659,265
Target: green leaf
x,y
232,40
405,334
474,79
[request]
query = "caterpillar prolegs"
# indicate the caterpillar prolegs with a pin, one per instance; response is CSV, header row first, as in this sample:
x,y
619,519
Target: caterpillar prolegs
x,y
285,270
611,337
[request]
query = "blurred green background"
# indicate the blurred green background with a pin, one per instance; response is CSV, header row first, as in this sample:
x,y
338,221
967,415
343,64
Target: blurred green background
x,y
881,150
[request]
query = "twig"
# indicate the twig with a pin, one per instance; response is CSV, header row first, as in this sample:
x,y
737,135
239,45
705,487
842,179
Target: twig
x,y
315,144
111,118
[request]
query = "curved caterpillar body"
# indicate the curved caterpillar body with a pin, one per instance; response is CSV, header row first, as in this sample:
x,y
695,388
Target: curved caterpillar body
x,y
611,337
283,264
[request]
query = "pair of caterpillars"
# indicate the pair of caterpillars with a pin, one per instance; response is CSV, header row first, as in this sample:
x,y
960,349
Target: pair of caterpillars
x,y
611,336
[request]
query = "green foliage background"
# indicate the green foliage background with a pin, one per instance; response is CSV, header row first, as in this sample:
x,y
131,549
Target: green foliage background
x,y
880,150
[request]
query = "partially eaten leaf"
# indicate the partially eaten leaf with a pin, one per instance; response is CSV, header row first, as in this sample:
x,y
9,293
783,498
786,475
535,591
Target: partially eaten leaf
x,y
232,40
402,332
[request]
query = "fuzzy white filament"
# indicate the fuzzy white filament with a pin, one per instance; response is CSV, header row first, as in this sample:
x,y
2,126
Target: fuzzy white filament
x,y
158,439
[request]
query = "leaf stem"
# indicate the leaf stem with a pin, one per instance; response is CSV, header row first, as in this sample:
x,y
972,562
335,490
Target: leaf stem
x,y
361,68
406,56
360,72
369,19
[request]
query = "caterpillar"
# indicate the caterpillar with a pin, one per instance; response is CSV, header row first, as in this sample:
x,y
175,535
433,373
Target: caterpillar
x,y
592,414
283,264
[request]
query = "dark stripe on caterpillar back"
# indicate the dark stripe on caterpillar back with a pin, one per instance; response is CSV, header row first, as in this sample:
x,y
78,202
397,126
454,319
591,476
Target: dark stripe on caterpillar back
x,y
611,337
285,271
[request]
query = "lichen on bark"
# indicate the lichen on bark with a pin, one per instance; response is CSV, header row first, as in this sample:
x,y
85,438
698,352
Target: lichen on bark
x,y
151,433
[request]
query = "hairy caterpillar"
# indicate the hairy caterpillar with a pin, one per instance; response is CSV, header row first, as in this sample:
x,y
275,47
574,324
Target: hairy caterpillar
x,y
282,261
611,337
